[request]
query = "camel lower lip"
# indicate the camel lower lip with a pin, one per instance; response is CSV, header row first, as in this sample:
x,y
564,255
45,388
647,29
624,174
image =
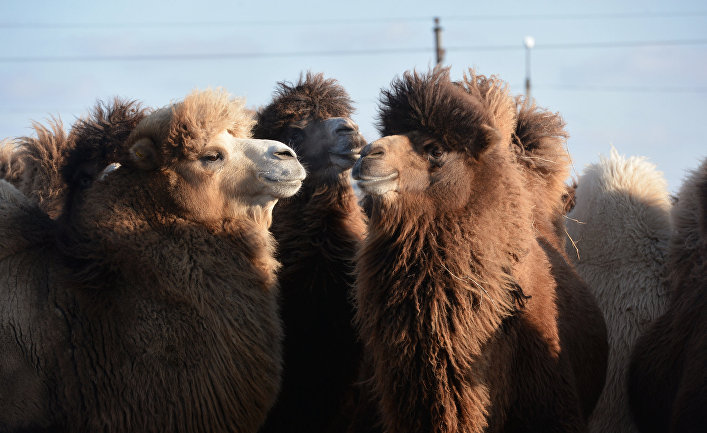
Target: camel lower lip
x,y
267,179
367,180
350,156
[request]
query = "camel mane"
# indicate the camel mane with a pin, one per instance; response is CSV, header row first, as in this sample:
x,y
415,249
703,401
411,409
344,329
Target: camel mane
x,y
33,164
432,105
540,138
312,97
98,137
181,129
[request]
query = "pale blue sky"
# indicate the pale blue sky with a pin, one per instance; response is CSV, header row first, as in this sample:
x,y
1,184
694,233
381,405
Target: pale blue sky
x,y
632,74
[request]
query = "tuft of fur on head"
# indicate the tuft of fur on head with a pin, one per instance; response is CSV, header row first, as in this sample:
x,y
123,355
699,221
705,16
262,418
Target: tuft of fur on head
x,y
182,129
540,142
97,139
36,164
10,166
313,97
494,94
433,105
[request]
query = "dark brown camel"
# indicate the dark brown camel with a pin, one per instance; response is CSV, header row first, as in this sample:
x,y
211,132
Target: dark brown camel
x,y
667,384
318,231
471,320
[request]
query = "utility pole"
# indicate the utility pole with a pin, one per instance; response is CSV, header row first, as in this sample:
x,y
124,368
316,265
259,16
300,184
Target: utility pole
x,y
529,43
439,51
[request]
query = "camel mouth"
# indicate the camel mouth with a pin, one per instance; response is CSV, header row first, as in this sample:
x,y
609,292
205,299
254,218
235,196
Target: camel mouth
x,y
268,179
376,184
344,159
345,130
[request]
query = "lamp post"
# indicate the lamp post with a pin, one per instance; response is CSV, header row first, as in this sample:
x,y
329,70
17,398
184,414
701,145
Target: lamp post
x,y
529,43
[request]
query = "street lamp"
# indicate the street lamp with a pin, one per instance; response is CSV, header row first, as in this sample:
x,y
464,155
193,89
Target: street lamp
x,y
529,43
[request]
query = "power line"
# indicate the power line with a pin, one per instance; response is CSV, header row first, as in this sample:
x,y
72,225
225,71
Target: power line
x,y
627,89
335,53
590,16
340,21
211,56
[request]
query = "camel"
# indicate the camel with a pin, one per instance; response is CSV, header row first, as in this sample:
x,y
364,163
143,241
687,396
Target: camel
x,y
471,319
34,164
317,231
667,382
150,304
621,227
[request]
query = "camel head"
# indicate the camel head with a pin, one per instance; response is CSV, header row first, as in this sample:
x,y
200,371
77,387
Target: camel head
x,y
326,146
439,142
313,117
213,169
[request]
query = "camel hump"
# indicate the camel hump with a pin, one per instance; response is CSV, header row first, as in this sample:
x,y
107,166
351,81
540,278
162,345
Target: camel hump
x,y
22,222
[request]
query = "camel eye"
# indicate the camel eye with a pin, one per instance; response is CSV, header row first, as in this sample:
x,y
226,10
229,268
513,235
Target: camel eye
x,y
211,157
435,152
295,136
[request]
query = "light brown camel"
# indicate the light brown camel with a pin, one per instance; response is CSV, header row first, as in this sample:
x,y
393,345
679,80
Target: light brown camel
x,y
318,231
471,320
150,304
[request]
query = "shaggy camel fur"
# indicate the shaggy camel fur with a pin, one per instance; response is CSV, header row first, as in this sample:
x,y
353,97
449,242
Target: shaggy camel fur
x,y
621,227
471,320
318,231
34,164
667,382
539,142
150,305
540,145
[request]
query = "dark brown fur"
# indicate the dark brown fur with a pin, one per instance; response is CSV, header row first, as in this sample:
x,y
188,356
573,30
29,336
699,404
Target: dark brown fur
x,y
313,97
667,377
46,168
471,321
318,231
170,323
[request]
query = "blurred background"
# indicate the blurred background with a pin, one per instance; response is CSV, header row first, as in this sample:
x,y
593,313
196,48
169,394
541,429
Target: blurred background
x,y
629,74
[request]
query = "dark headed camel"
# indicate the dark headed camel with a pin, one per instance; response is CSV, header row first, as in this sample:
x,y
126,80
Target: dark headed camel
x,y
318,231
471,320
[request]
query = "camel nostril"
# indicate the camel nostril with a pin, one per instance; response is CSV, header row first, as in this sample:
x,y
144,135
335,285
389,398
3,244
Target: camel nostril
x,y
284,154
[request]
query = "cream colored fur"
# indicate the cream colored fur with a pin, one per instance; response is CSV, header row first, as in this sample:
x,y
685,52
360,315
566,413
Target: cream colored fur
x,y
621,228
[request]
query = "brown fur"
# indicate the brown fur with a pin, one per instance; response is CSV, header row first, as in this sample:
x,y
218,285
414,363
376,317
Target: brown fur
x,y
33,166
540,143
144,316
539,138
318,231
46,167
471,321
667,378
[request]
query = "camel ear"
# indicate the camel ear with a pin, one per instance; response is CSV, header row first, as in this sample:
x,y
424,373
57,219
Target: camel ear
x,y
144,155
489,137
